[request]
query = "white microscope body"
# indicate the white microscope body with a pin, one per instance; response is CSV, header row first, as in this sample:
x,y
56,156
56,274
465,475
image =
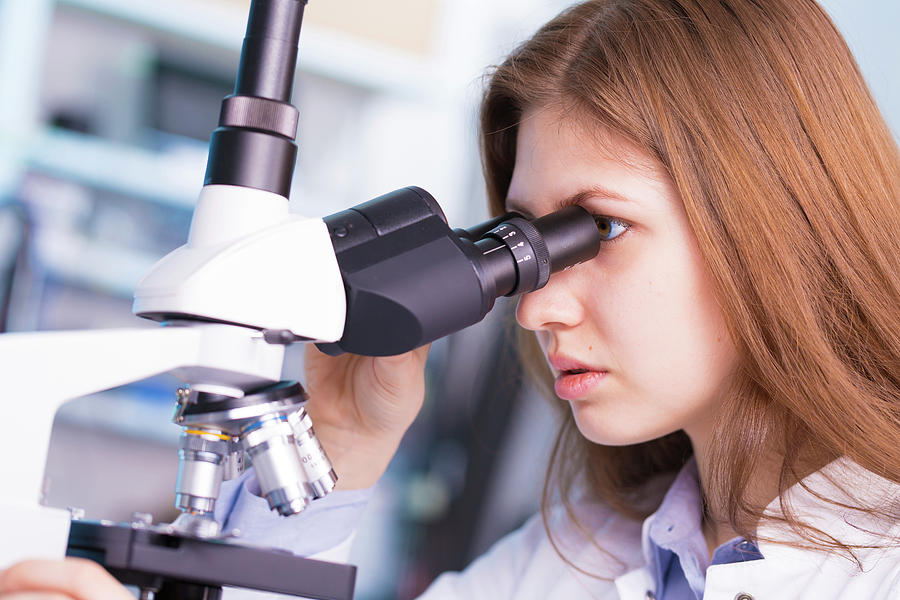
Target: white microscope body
x,y
248,266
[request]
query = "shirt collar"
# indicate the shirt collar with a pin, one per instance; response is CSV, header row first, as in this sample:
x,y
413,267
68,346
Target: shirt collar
x,y
676,526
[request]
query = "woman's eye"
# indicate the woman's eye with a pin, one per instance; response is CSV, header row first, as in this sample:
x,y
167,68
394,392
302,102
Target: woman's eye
x,y
610,228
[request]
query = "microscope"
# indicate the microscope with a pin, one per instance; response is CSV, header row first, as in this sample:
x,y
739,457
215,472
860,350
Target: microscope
x,y
378,279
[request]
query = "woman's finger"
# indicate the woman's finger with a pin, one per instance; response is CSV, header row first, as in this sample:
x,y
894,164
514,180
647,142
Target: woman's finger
x,y
72,579
35,596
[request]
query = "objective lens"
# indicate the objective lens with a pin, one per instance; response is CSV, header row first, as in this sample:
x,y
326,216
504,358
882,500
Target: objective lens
x,y
271,427
202,456
320,476
270,444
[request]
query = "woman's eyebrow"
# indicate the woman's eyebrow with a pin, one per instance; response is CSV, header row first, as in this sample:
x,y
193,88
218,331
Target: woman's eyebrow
x,y
594,192
513,205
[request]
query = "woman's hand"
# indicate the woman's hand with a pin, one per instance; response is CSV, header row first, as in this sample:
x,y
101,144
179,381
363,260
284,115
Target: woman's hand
x,y
69,579
361,406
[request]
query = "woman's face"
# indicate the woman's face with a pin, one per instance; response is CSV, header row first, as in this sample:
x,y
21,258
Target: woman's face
x,y
634,337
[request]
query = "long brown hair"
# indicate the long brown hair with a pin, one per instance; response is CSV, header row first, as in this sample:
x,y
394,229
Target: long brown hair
x,y
791,183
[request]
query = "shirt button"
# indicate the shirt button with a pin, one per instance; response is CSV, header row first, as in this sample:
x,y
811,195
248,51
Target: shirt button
x,y
743,596
651,596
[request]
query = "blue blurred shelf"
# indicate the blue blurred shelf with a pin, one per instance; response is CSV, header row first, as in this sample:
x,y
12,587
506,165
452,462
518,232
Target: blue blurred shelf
x,y
173,178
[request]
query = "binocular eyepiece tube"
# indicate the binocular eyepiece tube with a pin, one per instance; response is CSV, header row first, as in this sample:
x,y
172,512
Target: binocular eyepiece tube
x,y
410,279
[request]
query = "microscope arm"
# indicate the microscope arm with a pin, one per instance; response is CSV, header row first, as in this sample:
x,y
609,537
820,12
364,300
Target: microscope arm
x,y
44,369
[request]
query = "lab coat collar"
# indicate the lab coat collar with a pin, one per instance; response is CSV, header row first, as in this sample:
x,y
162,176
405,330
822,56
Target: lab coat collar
x,y
812,501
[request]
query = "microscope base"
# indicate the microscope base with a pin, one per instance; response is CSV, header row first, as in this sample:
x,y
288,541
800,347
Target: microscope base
x,y
176,567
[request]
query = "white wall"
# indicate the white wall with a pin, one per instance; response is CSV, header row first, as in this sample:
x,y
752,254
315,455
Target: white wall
x,y
871,29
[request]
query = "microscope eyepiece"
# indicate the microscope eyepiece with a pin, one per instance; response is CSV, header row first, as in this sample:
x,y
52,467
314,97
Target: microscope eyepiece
x,y
253,146
535,249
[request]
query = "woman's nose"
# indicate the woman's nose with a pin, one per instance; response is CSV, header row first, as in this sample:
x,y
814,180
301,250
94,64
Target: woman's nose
x,y
556,305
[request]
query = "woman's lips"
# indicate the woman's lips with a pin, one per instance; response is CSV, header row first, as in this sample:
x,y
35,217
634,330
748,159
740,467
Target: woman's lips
x,y
574,379
576,385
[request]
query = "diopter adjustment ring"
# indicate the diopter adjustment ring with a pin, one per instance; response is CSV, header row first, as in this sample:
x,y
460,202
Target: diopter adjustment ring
x,y
529,251
251,112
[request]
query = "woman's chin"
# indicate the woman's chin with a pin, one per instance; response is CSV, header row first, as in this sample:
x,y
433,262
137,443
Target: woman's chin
x,y
606,430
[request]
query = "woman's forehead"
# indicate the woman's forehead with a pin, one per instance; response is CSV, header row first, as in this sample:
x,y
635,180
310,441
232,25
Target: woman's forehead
x,y
551,135
563,158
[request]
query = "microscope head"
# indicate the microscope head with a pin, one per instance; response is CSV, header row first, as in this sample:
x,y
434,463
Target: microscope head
x,y
250,263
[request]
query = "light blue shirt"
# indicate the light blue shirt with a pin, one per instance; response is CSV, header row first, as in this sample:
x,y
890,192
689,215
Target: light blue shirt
x,y
325,523
679,556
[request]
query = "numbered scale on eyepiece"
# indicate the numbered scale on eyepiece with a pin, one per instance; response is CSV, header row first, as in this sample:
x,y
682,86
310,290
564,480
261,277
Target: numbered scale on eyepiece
x,y
535,249
269,426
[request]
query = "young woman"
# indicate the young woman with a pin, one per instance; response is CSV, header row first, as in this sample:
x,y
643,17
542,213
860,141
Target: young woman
x,y
729,364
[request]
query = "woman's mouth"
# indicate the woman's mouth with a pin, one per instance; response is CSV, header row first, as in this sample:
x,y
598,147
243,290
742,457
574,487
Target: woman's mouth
x,y
576,384
574,380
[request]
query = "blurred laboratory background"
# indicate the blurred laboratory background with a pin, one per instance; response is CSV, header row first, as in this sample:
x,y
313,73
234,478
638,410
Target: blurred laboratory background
x,y
105,111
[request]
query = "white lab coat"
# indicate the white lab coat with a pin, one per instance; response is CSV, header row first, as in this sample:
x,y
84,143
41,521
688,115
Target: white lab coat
x,y
525,566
